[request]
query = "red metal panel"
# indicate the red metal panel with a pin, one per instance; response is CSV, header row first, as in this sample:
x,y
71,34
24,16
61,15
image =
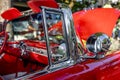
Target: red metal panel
x,y
35,4
11,14
96,20
91,69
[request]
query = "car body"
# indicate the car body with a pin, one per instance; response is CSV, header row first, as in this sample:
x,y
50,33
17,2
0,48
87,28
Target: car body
x,y
45,44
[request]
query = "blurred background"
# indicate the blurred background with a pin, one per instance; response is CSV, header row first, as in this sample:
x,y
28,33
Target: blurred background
x,y
75,5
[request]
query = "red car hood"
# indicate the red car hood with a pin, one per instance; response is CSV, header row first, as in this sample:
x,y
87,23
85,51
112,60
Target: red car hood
x,y
96,20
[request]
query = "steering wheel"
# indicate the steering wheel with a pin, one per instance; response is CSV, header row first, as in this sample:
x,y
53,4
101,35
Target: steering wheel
x,y
3,40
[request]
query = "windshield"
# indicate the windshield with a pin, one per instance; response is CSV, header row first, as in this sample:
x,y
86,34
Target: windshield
x,y
28,27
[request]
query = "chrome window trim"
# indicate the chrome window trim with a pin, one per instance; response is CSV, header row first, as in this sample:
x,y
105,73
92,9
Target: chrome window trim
x,y
71,35
55,11
46,36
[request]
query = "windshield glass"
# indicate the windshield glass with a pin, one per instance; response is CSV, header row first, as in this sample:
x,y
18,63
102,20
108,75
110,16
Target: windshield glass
x,y
28,27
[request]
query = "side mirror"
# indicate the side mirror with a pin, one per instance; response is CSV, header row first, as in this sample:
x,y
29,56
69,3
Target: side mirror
x,y
98,44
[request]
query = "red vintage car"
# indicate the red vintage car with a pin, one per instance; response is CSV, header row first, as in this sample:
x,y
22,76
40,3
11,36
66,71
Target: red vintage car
x,y
44,44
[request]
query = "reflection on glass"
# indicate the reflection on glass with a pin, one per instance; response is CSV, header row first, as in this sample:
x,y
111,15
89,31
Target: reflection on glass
x,y
56,37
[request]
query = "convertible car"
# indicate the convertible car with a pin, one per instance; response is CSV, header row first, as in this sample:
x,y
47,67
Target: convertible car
x,y
48,42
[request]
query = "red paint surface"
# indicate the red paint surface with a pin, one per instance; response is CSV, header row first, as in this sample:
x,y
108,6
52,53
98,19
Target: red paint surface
x,y
11,14
36,4
97,20
107,68
104,69
10,65
90,69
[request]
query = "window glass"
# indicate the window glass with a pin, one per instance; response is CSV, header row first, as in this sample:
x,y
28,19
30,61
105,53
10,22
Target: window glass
x,y
29,27
56,37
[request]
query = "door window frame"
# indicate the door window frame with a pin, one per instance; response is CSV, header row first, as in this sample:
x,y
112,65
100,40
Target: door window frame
x,y
56,11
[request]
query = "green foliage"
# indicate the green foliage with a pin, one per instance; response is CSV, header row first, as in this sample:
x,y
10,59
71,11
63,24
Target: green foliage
x,y
117,5
77,5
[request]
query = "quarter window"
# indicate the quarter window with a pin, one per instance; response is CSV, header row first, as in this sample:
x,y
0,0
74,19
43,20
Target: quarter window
x,y
56,37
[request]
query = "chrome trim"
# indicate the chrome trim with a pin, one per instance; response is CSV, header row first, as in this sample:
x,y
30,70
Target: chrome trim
x,y
53,68
46,35
45,71
61,65
51,9
36,50
58,11
28,12
22,47
70,32
98,42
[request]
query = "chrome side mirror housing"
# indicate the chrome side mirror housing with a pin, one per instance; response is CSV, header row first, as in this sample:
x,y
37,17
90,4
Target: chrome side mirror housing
x,y
98,43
